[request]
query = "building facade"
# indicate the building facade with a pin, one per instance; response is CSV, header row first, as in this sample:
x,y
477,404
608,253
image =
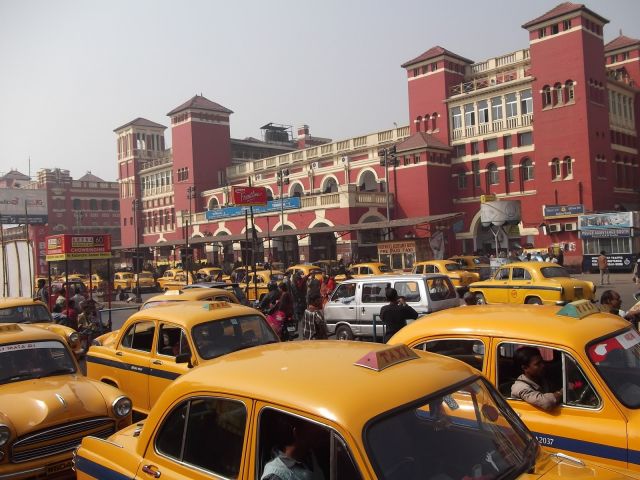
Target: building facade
x,y
553,125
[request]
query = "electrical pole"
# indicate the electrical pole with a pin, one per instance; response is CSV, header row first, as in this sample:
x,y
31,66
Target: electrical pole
x,y
136,204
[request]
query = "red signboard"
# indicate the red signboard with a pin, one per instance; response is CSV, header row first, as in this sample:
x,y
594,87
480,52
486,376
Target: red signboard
x,y
78,247
247,196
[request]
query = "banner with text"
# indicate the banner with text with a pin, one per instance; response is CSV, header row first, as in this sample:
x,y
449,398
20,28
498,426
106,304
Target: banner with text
x,y
249,196
78,247
19,205
271,206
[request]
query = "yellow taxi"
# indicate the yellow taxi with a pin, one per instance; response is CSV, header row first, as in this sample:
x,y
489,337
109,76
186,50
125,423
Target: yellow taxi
x,y
26,310
179,281
168,276
474,263
123,281
156,345
459,277
363,269
47,405
304,270
591,356
370,412
257,284
211,272
533,282
191,295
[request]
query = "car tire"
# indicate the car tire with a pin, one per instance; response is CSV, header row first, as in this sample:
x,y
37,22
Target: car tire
x,y
533,301
480,299
343,332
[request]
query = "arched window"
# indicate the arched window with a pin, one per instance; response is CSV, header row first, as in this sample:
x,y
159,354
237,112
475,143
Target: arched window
x,y
76,204
296,190
330,185
556,172
526,167
104,204
367,182
269,194
418,123
434,117
569,87
492,174
558,94
213,204
568,167
546,96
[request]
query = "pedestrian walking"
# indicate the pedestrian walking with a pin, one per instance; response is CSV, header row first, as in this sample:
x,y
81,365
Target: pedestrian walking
x,y
394,315
314,326
313,286
41,293
636,270
603,266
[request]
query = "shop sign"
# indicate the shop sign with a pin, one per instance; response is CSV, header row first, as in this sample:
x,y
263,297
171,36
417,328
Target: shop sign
x,y
77,247
559,211
606,233
396,247
616,261
271,206
249,196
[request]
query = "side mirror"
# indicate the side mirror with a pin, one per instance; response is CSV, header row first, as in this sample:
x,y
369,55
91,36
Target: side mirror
x,y
184,358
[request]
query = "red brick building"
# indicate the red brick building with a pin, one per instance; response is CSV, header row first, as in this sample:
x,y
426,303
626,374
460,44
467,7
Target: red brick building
x,y
552,125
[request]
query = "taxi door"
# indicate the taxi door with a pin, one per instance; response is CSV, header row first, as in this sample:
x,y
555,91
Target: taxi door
x,y
588,424
134,356
171,340
520,286
500,291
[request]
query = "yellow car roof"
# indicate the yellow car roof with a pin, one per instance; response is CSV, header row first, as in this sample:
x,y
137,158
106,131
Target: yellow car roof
x,y
12,332
536,323
190,313
287,374
191,294
7,302
436,262
533,264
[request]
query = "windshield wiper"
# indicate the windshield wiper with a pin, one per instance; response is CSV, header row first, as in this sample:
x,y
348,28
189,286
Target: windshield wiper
x,y
59,371
15,378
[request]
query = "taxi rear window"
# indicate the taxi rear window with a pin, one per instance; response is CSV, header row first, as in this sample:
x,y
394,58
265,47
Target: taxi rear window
x,y
25,314
554,272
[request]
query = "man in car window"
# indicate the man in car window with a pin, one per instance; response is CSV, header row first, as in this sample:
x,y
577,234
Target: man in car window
x,y
531,386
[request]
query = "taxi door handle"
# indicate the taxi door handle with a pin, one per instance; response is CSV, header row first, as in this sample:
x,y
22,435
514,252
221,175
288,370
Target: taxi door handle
x,y
362,309
151,470
119,354
157,362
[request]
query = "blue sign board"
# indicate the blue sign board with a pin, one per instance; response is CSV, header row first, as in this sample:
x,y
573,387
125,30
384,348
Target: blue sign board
x,y
562,210
605,233
271,206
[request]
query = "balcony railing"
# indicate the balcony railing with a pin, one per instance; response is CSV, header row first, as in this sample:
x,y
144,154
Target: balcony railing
x,y
492,127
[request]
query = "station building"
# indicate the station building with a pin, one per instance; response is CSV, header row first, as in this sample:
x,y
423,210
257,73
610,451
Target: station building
x,y
552,125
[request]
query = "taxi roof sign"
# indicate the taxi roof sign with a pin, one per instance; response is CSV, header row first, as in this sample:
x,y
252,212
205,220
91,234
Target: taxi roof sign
x,y
579,309
214,305
380,359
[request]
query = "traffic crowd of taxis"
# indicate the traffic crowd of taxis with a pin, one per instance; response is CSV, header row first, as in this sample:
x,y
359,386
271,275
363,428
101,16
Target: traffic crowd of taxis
x,y
196,385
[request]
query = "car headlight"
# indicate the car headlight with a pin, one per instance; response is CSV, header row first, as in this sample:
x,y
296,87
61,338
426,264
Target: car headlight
x,y
121,407
5,433
74,338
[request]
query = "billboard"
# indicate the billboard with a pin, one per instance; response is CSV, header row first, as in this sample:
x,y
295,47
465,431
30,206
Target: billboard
x,y
605,221
249,196
271,206
500,212
19,205
78,247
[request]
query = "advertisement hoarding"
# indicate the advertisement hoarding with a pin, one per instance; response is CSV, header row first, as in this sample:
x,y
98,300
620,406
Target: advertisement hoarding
x,y
271,206
606,221
19,205
78,247
249,196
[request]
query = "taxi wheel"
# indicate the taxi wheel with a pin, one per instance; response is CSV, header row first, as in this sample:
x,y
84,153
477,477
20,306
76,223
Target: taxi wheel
x,y
480,300
344,333
534,301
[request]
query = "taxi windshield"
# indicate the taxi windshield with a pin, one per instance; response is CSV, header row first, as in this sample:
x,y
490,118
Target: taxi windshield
x,y
25,314
145,275
617,359
466,432
384,268
219,337
554,272
453,267
24,361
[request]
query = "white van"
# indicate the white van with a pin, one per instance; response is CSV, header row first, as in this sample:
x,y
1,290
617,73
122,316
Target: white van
x,y
355,304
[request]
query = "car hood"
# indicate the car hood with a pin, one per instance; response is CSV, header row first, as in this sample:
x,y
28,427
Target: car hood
x,y
39,403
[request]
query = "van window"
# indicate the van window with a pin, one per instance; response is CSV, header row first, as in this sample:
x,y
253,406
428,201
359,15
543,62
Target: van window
x,y
345,293
440,288
374,292
409,290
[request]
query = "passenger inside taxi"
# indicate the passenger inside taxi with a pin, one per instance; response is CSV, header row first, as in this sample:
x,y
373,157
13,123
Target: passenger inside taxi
x,y
532,385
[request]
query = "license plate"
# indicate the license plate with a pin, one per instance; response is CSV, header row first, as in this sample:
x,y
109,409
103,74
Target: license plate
x,y
58,467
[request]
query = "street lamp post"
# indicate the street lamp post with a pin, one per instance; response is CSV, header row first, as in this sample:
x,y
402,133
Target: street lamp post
x,y
387,158
283,178
191,194
135,205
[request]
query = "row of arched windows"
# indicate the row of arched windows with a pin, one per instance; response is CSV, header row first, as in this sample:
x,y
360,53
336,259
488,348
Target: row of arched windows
x,y
492,175
426,123
558,94
93,204
561,169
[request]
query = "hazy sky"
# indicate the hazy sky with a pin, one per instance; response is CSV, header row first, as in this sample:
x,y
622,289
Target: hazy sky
x,y
72,71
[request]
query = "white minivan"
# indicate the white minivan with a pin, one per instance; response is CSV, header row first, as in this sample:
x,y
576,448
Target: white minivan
x,y
354,306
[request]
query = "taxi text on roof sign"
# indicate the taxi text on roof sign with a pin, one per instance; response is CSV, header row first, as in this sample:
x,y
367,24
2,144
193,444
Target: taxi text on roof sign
x,y
579,309
214,305
380,359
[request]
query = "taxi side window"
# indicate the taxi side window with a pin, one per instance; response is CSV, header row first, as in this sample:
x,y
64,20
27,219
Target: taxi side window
x,y
429,269
561,372
503,274
466,350
207,433
329,456
419,269
409,290
139,336
520,274
374,292
440,289
172,341
365,271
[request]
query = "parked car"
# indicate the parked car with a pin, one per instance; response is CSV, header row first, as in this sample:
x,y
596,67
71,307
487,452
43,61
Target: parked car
x,y
371,412
305,269
47,406
365,269
257,284
533,282
212,272
591,356
459,277
190,295
156,345
168,276
355,303
179,281
474,263
28,311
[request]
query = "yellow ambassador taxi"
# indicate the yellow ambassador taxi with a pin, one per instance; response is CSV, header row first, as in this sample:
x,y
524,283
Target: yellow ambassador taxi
x,y
191,295
592,356
47,405
363,269
212,272
257,284
25,310
459,277
304,270
168,276
474,263
533,282
372,411
157,345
